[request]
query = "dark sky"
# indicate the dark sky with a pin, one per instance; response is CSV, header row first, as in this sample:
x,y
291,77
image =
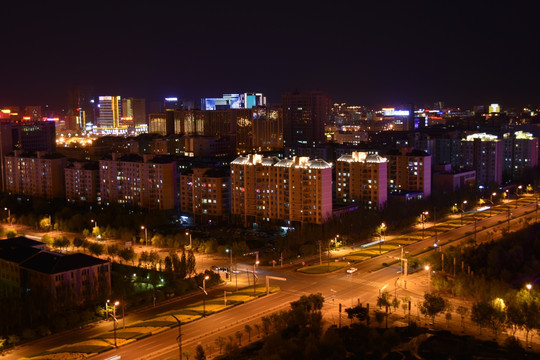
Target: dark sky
x,y
390,53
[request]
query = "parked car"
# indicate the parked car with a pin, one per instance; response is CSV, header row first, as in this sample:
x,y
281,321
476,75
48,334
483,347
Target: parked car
x,y
351,270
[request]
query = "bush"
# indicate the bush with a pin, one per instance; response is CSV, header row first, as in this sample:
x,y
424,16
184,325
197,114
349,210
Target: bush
x,y
11,233
59,324
13,340
29,334
43,331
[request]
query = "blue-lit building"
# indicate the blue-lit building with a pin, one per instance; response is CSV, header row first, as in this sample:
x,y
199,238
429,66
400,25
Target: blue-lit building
x,y
234,101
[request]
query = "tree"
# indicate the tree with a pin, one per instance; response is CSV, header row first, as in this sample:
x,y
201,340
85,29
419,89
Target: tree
x,y
85,233
405,303
383,300
248,329
187,354
182,268
220,341
480,314
190,265
77,242
11,233
127,254
45,224
239,335
96,249
395,303
462,311
113,250
199,353
258,328
433,305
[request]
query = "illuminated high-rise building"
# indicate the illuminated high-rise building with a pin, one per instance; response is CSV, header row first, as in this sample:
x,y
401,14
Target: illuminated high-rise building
x,y
520,153
361,178
290,190
109,112
409,170
134,109
234,101
484,154
304,117
35,174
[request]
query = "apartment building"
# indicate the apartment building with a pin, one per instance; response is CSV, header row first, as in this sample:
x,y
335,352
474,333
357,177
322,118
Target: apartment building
x,y
483,153
35,174
291,190
82,181
204,192
409,170
520,151
361,178
146,181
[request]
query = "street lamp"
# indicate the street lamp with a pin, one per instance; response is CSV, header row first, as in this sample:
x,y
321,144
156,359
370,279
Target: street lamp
x,y
517,195
230,269
463,210
423,217
190,245
9,216
116,303
529,287
382,230
94,226
254,276
491,201
429,277
205,293
145,234
107,309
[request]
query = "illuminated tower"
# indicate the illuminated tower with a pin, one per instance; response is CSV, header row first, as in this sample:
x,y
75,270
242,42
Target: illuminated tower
x,y
109,111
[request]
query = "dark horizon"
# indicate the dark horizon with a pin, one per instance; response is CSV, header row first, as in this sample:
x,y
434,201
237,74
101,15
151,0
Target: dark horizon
x,y
363,55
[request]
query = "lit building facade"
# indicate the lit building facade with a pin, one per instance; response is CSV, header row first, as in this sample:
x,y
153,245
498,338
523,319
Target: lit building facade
x,y
82,182
520,153
134,109
484,154
35,174
361,178
291,190
409,170
204,192
234,101
109,112
147,182
304,117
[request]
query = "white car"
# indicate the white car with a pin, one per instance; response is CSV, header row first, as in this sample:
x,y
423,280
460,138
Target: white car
x,y
351,270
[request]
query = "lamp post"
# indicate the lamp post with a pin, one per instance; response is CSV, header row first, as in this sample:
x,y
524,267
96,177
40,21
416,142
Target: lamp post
x,y
463,210
254,276
205,293
230,268
423,216
429,277
517,195
491,201
107,309
145,234
116,303
190,245
94,226
9,216
382,230
529,287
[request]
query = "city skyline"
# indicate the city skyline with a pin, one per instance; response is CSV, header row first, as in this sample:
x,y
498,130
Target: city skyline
x,y
369,55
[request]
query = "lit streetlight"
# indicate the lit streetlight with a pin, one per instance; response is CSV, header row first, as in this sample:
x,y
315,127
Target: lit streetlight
x,y
231,268
463,210
145,234
423,217
203,288
382,230
529,287
429,277
254,276
190,245
9,216
491,201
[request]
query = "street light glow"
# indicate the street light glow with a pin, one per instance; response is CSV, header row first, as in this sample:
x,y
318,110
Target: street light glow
x,y
528,286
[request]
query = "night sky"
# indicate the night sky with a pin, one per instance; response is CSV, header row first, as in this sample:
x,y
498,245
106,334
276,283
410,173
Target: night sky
x,y
391,53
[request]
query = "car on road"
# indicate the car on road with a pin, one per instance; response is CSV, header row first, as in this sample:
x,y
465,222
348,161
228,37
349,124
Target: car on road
x,y
351,270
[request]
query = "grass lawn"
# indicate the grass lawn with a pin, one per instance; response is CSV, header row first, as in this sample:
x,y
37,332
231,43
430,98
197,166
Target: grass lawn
x,y
324,268
157,324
